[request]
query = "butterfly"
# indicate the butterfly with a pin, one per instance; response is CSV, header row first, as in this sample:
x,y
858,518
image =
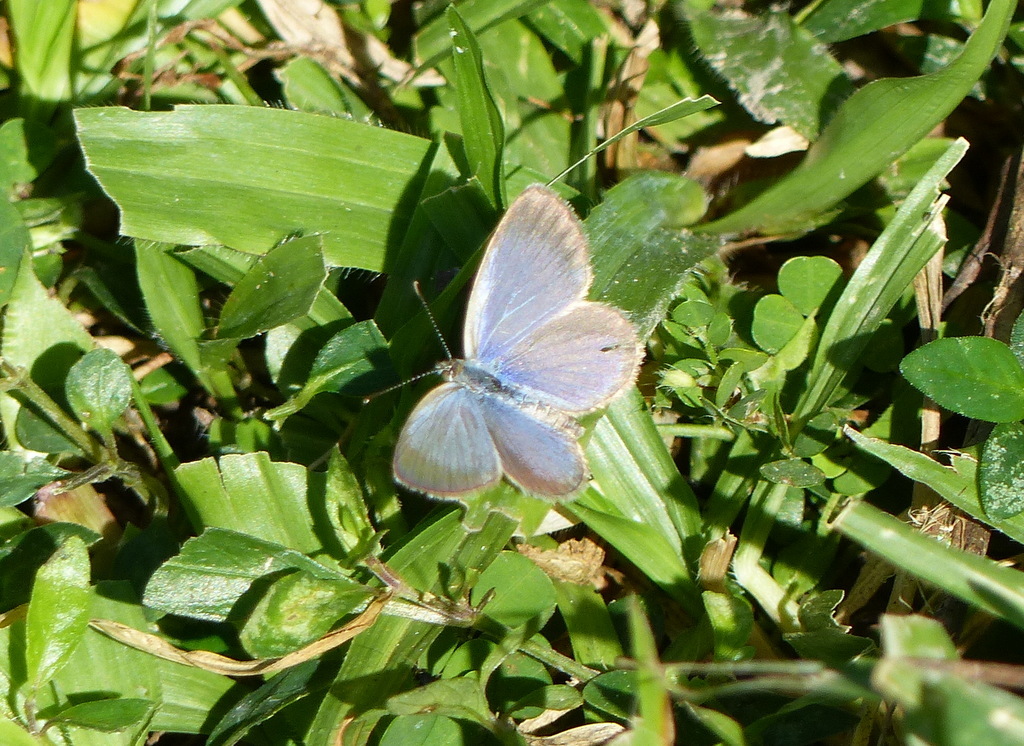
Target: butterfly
x,y
538,355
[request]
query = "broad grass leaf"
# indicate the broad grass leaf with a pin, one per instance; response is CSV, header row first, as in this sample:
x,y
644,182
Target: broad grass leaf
x,y
249,177
779,71
215,568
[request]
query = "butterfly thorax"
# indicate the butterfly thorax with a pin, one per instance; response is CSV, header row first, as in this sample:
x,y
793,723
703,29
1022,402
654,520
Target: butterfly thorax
x,y
472,376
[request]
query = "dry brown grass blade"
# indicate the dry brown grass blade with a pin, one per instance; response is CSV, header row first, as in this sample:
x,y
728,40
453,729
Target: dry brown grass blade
x,y
221,664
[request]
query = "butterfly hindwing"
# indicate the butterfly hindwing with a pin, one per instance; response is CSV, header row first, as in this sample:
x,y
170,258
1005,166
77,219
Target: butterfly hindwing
x,y
445,447
540,456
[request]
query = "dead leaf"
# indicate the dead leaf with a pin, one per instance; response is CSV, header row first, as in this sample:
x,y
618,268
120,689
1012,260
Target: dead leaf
x,y
575,561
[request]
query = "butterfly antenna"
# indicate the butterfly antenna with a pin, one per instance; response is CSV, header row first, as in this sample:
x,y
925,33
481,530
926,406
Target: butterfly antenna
x,y
370,397
433,321
437,330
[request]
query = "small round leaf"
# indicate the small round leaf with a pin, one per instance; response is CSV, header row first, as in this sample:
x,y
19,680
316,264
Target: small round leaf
x,y
806,281
977,377
99,387
794,472
1001,471
776,321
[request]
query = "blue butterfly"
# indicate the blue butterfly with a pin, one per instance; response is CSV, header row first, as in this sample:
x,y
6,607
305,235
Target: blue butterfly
x,y
538,354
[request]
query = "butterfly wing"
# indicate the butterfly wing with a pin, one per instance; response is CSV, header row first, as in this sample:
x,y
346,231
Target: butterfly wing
x,y
528,322
535,266
539,454
445,447
576,362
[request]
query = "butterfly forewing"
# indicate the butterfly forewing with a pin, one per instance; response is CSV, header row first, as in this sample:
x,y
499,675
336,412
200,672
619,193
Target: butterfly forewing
x,y
534,266
445,447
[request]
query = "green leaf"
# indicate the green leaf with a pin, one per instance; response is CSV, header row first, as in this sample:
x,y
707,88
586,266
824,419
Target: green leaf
x,y
517,678
423,730
40,335
976,580
12,734
351,521
839,20
977,377
248,492
15,240
780,74
897,255
249,177
309,87
595,642
188,696
460,698
262,703
433,557
560,697
482,129
641,257
913,636
612,693
58,612
957,484
280,287
99,389
869,131
821,636
354,361
105,715
21,475
776,322
629,459
171,294
807,281
296,609
523,593
24,152
793,472
44,34
732,620
216,568
1001,471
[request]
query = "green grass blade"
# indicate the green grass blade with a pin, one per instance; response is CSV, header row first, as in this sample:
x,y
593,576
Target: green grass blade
x,y
250,177
869,131
958,485
898,254
671,113
44,33
976,580
482,130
